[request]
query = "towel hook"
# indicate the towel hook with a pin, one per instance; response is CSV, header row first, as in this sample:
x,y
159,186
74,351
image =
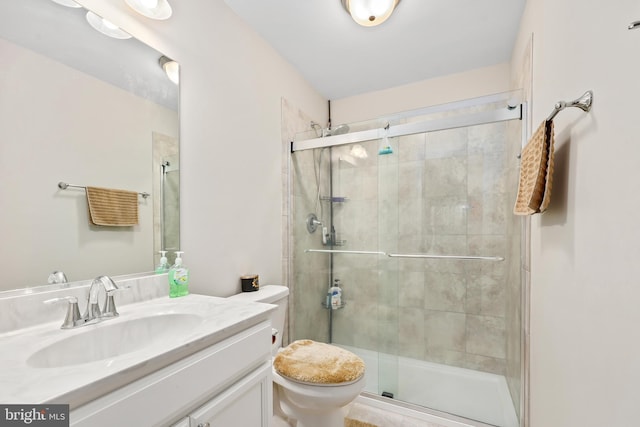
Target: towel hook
x,y
64,186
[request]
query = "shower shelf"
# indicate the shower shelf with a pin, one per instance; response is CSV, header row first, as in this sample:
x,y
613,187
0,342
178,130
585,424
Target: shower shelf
x,y
334,199
329,307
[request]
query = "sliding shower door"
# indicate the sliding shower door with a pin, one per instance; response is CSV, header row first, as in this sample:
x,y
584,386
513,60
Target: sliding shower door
x,y
418,232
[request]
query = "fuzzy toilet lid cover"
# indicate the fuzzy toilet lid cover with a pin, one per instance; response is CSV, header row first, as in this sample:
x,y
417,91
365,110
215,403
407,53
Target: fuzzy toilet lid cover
x,y
318,363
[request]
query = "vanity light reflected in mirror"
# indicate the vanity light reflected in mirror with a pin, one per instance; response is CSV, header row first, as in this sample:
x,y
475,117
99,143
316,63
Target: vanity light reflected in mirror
x,y
68,3
106,27
171,68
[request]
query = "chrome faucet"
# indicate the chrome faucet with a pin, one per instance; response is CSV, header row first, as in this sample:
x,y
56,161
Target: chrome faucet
x,y
93,314
93,311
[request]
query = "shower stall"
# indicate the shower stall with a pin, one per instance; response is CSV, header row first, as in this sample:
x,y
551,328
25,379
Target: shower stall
x,y
411,215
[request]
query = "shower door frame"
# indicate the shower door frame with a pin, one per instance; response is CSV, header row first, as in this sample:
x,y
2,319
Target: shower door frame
x,y
515,110
494,116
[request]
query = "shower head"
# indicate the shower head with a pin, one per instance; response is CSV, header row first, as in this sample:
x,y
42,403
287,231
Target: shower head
x,y
316,127
341,129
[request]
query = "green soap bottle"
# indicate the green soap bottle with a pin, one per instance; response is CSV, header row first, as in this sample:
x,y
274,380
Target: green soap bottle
x,y
178,278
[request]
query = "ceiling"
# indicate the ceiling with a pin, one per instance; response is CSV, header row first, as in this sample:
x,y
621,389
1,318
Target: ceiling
x,y
423,39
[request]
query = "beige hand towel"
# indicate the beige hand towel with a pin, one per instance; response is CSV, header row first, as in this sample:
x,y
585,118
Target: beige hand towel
x,y
549,139
536,168
110,207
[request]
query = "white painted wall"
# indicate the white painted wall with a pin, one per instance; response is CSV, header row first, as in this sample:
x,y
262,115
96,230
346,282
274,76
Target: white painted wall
x,y
585,289
425,93
230,140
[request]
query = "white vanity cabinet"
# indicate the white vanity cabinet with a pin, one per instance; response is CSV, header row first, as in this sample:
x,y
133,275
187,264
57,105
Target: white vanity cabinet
x,y
245,404
227,384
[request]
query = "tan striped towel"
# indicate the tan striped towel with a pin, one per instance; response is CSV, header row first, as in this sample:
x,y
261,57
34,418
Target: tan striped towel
x,y
536,172
116,208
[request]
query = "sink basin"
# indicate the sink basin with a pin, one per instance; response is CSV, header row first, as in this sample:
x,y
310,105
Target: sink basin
x,y
113,338
45,364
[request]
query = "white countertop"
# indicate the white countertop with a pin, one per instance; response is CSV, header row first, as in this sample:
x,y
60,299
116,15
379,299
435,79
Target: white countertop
x,y
78,383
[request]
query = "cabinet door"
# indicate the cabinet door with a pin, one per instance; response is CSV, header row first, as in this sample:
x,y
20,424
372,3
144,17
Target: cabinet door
x,y
247,403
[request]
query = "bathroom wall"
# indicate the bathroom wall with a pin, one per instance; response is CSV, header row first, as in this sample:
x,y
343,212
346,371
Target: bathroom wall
x,y
454,87
48,135
232,84
584,249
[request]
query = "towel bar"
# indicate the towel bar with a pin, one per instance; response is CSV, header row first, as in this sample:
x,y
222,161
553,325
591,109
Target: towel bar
x,y
584,103
64,186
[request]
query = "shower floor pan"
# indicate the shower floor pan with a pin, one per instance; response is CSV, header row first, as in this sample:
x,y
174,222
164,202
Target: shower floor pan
x,y
466,393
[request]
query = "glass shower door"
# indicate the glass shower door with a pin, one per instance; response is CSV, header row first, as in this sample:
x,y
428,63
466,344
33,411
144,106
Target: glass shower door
x,y
170,205
365,220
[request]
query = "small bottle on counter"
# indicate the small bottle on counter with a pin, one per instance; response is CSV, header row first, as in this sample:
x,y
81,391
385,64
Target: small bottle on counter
x,y
178,278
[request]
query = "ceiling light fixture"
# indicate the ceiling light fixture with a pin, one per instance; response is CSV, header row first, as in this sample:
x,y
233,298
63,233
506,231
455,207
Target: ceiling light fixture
x,y
370,13
106,27
68,3
171,67
154,9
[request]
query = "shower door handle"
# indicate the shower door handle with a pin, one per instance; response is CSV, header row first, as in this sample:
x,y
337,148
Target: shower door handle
x,y
463,257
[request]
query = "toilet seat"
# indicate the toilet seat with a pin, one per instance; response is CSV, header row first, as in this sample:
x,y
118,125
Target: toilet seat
x,y
318,364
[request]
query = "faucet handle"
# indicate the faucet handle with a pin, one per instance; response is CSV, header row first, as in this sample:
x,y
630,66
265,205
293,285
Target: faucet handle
x,y
73,313
110,304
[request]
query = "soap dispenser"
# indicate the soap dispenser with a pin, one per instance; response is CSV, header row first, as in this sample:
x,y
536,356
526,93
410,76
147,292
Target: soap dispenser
x,y
163,267
178,278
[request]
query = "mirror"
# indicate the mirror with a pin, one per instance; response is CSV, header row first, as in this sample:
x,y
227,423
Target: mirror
x,y
79,107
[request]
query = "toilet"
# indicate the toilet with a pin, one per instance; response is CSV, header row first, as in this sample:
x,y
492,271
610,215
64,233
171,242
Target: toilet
x,y
312,382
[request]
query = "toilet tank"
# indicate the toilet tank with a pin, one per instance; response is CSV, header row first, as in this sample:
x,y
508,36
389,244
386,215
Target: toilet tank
x,y
270,294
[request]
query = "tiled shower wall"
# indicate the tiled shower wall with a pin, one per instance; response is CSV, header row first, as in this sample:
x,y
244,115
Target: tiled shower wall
x,y
306,276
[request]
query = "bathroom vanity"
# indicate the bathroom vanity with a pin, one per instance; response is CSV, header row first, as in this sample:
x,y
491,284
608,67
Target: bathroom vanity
x,y
227,384
189,361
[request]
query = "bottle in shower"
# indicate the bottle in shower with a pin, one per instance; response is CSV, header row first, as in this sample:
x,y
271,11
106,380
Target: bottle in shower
x,y
336,295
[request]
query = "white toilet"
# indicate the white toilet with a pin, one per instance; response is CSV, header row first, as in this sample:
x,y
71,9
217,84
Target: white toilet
x,y
307,402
